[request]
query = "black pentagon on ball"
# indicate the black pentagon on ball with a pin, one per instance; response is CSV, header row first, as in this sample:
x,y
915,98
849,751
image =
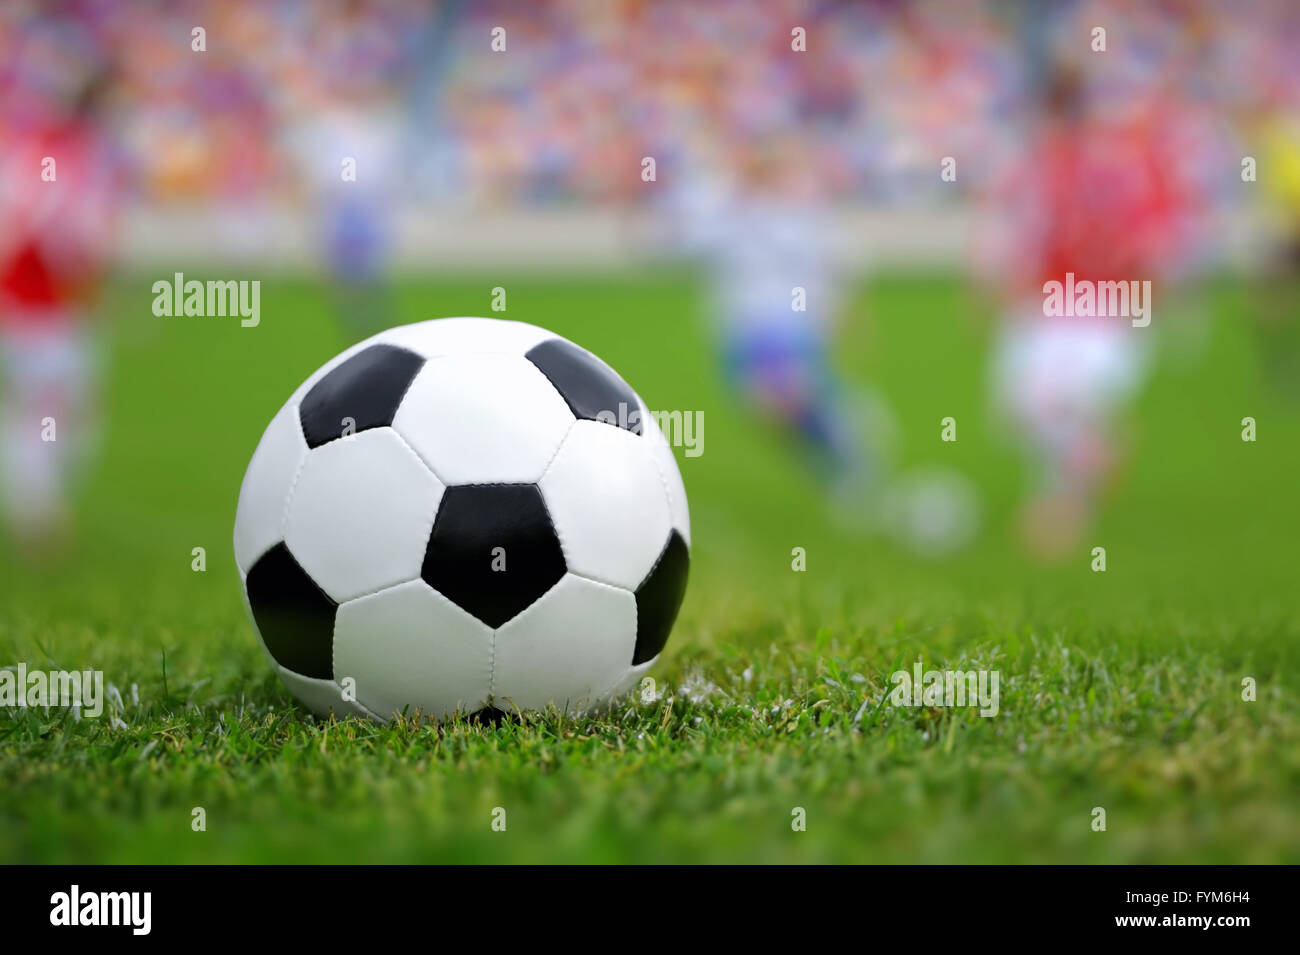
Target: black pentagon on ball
x,y
659,597
294,616
591,388
489,716
493,550
366,388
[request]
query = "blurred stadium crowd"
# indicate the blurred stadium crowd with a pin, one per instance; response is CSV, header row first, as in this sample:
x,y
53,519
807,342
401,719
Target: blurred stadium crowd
x,y
585,89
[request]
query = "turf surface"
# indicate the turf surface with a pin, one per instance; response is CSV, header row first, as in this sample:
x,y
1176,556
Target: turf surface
x,y
1119,690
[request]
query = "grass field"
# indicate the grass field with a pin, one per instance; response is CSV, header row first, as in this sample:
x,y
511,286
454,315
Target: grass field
x,y
1119,690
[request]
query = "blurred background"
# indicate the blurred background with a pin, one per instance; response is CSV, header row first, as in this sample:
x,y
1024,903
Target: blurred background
x,y
580,91
821,227
774,158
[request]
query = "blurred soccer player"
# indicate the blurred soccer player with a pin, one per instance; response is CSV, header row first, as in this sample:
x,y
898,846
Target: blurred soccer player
x,y
349,144
764,233
1096,197
57,202
1277,135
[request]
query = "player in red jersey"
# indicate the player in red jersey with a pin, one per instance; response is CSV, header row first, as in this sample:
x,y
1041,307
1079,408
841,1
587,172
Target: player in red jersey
x,y
57,200
1092,219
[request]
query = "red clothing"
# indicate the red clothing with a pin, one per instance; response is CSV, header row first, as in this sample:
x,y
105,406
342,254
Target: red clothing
x,y
26,280
1104,202
56,233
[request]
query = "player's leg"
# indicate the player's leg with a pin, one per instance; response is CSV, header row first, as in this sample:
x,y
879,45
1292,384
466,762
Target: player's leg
x,y
1033,401
47,426
783,371
356,249
1061,385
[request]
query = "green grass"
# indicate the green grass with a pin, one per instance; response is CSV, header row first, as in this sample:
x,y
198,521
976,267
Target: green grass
x,y
1120,690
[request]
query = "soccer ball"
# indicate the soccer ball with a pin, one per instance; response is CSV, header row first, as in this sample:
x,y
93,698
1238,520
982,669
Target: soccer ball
x,y
934,512
462,515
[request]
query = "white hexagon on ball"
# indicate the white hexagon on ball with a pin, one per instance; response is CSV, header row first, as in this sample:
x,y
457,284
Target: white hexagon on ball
x,y
569,649
360,514
465,336
608,503
446,655
483,419
259,519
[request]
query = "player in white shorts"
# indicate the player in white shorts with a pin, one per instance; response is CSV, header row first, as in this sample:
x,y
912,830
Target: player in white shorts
x,y
58,194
